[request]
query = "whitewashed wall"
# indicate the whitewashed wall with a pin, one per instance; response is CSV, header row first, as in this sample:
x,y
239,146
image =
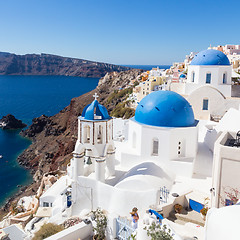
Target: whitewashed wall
x,y
216,78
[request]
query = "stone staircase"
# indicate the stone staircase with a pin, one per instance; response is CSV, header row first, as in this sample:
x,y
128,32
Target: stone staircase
x,y
186,216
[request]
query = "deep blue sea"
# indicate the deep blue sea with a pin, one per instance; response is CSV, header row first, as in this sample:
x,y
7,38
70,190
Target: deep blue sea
x,y
27,97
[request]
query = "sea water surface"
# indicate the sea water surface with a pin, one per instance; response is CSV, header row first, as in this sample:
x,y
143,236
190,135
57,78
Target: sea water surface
x,y
27,97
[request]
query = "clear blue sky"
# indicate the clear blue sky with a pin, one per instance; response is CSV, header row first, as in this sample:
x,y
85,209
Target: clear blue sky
x,y
118,31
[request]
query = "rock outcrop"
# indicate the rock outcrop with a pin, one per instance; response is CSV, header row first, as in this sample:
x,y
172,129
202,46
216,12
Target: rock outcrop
x,y
10,122
47,64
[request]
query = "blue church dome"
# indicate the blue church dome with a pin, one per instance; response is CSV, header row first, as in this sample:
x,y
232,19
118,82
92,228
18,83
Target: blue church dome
x,y
210,57
165,109
95,111
182,76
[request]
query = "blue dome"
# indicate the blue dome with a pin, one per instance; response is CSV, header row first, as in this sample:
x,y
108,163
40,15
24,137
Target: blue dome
x,y
210,57
95,111
165,109
182,76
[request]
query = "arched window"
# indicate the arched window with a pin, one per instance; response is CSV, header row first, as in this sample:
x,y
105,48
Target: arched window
x,y
155,147
193,76
224,78
208,78
134,140
99,134
86,134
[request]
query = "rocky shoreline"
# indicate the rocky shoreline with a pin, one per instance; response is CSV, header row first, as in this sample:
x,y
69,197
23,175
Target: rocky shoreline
x,y
53,138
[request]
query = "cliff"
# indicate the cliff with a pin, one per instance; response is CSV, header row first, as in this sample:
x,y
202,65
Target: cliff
x,y
54,137
47,64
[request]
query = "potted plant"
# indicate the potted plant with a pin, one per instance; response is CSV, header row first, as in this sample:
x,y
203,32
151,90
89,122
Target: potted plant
x,y
101,225
203,212
178,208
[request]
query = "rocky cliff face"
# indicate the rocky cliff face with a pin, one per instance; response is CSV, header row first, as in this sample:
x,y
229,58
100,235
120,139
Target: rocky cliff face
x,y
54,137
47,64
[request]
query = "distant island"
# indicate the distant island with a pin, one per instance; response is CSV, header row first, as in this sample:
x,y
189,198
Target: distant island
x,y
47,64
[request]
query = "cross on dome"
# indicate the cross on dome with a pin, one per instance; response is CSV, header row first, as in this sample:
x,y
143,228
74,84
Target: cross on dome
x,y
95,96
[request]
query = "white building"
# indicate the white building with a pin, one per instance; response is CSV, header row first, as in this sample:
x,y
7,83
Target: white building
x,y
209,85
164,131
118,164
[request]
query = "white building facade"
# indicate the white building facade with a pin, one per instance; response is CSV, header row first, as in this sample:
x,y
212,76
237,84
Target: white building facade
x,y
164,132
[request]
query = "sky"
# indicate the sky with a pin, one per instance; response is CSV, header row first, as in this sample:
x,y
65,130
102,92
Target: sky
x,y
143,32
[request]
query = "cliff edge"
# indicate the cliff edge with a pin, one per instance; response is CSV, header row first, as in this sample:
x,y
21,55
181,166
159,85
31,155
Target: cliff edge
x,y
47,64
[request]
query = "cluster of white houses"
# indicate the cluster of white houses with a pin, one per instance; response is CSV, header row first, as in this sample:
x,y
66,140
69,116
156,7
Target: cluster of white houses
x,y
118,164
168,153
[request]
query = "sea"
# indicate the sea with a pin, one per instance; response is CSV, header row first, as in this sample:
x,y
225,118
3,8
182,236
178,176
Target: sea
x,y
28,97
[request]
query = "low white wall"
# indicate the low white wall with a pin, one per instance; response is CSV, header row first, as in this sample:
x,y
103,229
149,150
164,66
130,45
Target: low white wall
x,y
76,232
113,199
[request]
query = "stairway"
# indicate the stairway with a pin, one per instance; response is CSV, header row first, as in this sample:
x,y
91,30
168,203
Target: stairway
x,y
186,216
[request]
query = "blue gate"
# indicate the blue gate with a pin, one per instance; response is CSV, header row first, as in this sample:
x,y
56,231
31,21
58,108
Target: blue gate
x,y
124,228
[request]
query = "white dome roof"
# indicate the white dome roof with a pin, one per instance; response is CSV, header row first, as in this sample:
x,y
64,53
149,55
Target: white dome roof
x,y
223,223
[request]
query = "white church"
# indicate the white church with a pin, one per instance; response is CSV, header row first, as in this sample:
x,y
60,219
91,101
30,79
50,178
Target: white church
x,y
208,87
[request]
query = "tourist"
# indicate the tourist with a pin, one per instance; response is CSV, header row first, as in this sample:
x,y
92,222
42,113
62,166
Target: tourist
x,y
135,217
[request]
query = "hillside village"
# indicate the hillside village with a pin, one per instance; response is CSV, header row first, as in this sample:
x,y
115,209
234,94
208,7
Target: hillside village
x,y
173,166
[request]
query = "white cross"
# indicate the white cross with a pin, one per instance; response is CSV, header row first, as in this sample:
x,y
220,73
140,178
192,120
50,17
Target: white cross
x,y
95,96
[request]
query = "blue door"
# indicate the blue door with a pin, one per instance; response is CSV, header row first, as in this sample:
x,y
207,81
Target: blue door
x,y
196,206
69,201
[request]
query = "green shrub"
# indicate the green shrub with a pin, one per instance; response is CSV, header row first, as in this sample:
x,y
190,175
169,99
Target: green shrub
x,y
47,230
119,94
158,232
101,224
121,111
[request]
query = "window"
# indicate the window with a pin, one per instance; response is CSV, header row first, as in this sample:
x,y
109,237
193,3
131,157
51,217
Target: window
x,y
45,204
208,78
155,147
193,76
134,140
99,135
205,104
224,78
87,134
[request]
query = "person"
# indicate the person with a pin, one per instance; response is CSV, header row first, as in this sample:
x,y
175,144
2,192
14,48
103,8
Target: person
x,y
135,217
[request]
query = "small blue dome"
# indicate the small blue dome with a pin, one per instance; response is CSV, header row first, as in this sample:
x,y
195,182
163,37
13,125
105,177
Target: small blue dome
x,y
95,111
182,76
210,57
165,109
